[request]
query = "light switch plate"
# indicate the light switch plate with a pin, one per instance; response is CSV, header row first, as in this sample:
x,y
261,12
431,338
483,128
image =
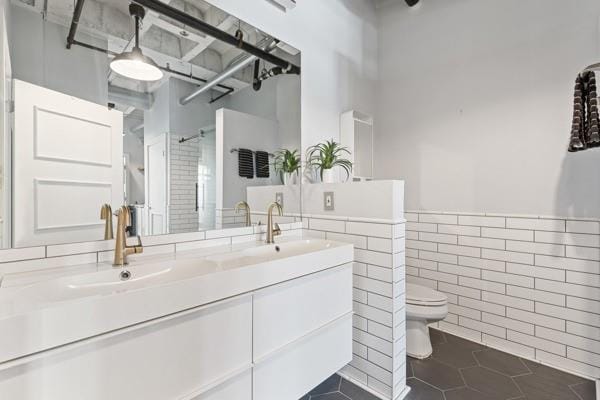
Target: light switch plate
x,y
328,201
279,198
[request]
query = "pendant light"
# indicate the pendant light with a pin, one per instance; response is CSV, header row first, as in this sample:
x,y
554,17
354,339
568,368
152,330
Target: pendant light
x,y
133,64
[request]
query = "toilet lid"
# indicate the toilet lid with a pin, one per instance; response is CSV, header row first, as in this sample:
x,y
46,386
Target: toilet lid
x,y
422,295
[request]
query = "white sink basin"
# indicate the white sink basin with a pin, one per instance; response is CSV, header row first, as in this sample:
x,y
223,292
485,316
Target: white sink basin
x,y
65,310
148,274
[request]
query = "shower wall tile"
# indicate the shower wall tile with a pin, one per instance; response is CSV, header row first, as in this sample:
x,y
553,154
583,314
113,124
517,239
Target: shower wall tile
x,y
526,285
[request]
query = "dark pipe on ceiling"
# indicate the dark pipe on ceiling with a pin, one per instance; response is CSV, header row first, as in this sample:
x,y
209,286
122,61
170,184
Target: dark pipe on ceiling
x,y
74,23
256,83
411,3
195,23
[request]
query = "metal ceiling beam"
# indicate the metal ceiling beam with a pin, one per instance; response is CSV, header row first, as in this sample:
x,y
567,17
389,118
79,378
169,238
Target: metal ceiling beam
x,y
195,23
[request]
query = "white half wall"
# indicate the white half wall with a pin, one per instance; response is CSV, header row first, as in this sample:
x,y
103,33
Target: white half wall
x,y
474,105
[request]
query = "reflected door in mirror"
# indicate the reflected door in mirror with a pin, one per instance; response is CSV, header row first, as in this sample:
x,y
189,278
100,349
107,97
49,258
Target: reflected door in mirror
x,y
156,184
67,162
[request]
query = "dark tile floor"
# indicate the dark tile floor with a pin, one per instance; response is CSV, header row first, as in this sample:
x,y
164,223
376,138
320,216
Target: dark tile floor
x,y
464,370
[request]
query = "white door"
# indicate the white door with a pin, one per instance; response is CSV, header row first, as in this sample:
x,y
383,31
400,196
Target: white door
x,y
156,184
67,162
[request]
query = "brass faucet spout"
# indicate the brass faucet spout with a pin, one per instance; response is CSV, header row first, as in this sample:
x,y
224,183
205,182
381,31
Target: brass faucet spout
x,y
106,214
273,229
122,250
242,205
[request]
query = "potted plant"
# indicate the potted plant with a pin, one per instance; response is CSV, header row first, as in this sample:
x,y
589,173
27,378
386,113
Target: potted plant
x,y
287,164
326,155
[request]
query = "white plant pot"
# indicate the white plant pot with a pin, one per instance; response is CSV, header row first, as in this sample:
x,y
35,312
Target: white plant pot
x,y
290,179
330,176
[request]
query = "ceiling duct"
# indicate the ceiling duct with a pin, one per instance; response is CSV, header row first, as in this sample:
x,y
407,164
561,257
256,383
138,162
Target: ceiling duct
x,y
241,64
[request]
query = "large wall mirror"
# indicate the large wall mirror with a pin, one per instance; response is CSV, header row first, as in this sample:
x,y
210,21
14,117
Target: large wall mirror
x,y
143,110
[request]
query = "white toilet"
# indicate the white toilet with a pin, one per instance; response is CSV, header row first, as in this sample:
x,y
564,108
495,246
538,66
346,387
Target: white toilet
x,y
423,306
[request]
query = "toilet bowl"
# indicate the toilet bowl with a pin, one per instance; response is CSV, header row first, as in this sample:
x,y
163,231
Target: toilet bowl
x,y
423,306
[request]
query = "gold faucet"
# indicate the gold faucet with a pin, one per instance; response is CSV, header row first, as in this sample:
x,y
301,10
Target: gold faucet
x,y
122,250
106,214
273,231
242,205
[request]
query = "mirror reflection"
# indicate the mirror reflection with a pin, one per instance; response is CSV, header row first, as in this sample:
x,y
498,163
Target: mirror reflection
x,y
185,129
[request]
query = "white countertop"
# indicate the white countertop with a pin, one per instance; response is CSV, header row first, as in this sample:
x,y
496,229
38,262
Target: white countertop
x,y
92,300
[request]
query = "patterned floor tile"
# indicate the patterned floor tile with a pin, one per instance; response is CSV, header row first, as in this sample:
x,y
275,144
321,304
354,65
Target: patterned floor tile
x,y
536,387
331,384
437,374
467,393
329,396
464,370
453,355
491,383
354,392
499,361
585,390
421,391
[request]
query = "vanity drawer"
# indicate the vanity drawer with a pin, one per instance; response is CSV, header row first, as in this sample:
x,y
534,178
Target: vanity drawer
x,y
169,358
288,311
290,373
236,388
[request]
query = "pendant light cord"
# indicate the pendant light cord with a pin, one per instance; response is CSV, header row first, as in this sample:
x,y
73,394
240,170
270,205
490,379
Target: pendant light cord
x,y
137,31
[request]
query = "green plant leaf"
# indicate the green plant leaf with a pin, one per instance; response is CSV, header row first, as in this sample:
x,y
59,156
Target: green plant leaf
x,y
326,155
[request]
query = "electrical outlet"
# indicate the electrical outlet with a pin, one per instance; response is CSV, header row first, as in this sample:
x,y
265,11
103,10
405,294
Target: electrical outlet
x,y
328,201
279,198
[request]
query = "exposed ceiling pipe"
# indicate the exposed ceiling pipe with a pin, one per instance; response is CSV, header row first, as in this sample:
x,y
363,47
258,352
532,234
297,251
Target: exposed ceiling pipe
x,y
247,60
121,95
218,79
137,128
74,23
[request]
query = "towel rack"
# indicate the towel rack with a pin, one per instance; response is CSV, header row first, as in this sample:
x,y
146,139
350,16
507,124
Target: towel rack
x,y
253,152
593,67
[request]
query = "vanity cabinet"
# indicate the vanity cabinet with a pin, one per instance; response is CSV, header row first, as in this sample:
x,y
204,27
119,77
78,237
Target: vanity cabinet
x,y
302,328
175,357
277,342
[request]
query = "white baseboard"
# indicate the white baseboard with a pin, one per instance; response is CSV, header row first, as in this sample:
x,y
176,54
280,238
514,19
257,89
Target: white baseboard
x,y
403,394
364,387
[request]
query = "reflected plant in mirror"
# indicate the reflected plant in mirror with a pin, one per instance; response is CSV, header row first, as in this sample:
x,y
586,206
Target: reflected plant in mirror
x,y
179,148
325,156
287,164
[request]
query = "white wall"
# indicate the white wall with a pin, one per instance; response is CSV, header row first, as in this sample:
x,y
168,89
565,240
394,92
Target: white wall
x,y
39,56
338,41
474,105
134,146
240,130
277,100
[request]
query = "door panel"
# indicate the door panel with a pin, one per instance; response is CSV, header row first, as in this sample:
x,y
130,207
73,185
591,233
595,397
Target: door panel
x,y
156,185
68,156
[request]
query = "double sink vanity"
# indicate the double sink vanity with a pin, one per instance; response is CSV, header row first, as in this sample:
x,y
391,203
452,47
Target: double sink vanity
x,y
253,321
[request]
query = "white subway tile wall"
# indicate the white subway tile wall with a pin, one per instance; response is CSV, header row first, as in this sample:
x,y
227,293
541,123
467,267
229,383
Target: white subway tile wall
x,y
379,287
183,164
526,285
44,262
